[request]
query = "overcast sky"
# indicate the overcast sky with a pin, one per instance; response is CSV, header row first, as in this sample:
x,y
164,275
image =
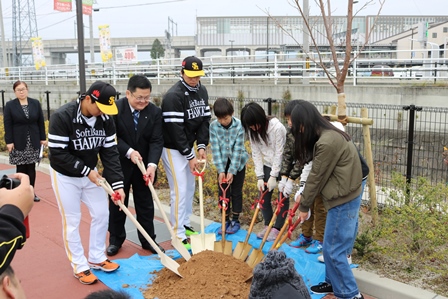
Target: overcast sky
x,y
137,18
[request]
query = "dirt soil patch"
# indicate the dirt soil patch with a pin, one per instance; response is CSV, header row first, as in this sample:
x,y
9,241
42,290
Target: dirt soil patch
x,y
206,275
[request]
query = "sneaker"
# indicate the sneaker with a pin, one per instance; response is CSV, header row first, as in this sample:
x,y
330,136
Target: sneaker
x,y
260,235
359,296
106,266
320,258
186,244
227,226
322,288
86,277
233,227
315,247
301,241
273,234
190,231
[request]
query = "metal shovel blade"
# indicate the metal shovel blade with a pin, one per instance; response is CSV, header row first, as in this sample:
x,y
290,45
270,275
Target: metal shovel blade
x,y
168,262
224,247
201,242
242,250
255,257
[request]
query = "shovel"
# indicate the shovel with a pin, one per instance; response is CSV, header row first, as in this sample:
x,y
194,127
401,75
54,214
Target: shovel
x,y
168,262
242,249
177,244
224,246
201,241
290,230
288,221
257,254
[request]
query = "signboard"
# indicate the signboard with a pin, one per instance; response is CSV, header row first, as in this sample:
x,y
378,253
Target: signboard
x,y
87,7
63,5
38,52
105,47
126,55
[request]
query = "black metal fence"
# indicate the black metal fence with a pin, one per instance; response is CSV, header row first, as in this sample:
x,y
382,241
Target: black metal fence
x,y
405,139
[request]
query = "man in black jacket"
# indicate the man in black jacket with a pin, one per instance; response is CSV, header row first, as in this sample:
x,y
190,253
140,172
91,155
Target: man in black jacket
x,y
79,131
139,134
15,205
186,117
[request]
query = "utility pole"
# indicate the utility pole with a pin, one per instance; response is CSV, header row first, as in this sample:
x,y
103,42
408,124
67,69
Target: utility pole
x,y
267,39
24,27
306,41
4,57
231,50
231,59
92,42
81,60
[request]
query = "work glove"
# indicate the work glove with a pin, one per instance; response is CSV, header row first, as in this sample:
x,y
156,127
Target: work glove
x,y
297,197
288,188
272,183
282,183
260,185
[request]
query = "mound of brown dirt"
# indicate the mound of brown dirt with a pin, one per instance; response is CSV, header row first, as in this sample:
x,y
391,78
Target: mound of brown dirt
x,y
207,274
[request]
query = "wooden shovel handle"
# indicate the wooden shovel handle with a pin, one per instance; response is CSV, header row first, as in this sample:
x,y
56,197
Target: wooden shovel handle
x,y
257,209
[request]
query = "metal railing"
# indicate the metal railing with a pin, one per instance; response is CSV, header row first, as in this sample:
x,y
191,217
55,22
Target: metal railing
x,y
366,68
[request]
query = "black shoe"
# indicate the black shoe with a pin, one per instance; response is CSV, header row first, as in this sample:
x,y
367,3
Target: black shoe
x,y
36,199
359,296
322,288
112,250
149,247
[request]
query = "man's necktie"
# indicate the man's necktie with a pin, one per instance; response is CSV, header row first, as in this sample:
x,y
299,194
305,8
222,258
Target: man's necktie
x,y
136,114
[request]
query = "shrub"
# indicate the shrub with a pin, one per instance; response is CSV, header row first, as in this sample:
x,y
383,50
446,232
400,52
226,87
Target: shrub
x,y
2,135
412,230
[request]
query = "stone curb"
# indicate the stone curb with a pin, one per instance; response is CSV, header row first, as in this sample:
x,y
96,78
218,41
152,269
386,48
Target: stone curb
x,y
368,283
384,288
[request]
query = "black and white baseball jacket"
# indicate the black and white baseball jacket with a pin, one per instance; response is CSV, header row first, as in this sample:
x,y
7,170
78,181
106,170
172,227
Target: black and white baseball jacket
x,y
74,145
186,118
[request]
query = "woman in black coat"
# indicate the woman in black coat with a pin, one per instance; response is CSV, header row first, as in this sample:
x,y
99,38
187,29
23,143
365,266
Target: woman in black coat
x,y
24,131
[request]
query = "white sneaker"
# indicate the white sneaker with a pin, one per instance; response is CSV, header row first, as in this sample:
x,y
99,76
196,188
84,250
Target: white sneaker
x,y
320,258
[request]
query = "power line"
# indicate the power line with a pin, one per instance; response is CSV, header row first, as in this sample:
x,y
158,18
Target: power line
x,y
143,4
57,23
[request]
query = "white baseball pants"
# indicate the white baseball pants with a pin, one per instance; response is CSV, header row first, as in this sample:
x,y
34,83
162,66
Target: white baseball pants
x,y
70,192
182,185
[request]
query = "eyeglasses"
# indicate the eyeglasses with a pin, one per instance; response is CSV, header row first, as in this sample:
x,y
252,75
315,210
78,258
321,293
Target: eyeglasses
x,y
21,89
141,98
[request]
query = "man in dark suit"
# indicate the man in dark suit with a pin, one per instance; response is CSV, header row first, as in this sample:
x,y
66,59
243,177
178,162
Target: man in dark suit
x,y
139,134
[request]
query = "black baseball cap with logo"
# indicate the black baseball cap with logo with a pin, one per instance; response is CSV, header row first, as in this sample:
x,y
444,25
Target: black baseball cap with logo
x,y
104,95
192,67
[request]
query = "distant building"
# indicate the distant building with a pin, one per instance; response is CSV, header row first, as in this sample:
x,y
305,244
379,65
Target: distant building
x,y
285,33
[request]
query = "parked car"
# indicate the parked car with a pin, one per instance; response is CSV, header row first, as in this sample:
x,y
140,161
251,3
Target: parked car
x,y
412,72
382,71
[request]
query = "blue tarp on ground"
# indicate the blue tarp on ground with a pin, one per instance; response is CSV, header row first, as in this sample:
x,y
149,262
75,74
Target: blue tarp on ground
x,y
135,273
